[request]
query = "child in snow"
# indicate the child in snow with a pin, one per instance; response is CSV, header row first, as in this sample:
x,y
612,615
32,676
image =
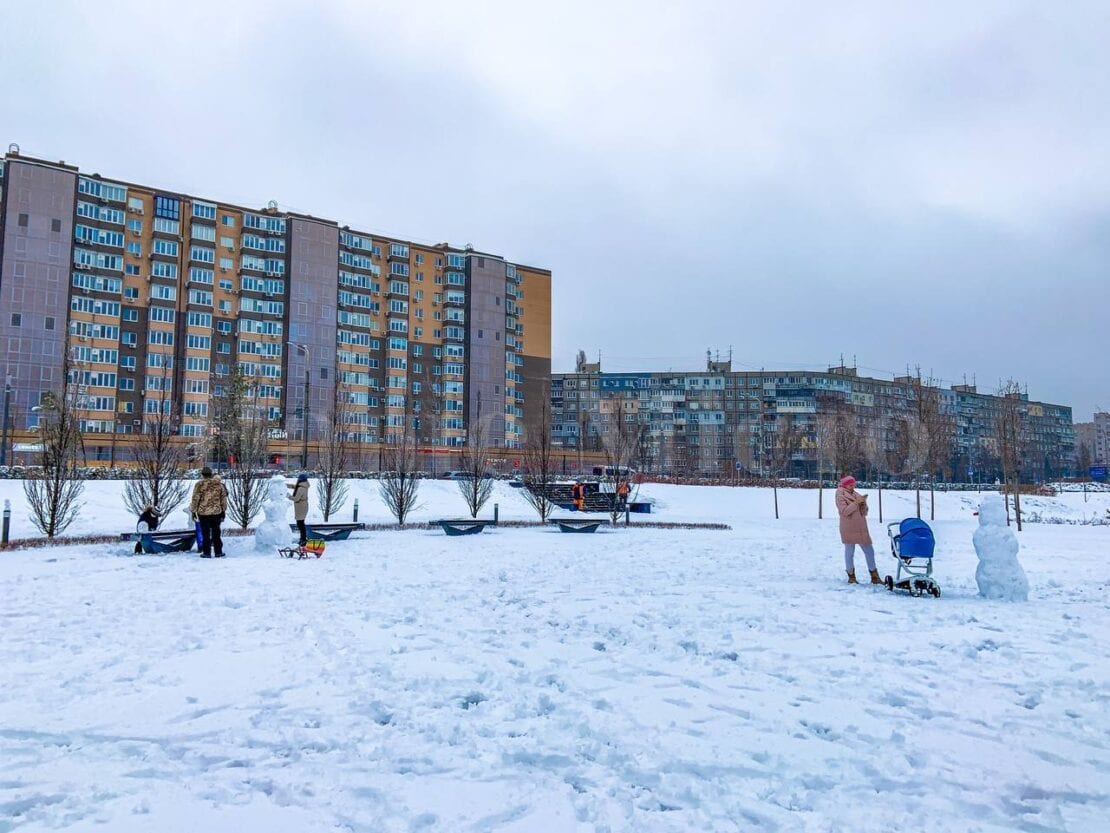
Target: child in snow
x,y
852,507
148,522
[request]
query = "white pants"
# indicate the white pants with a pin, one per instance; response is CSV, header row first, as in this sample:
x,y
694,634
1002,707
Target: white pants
x,y
850,560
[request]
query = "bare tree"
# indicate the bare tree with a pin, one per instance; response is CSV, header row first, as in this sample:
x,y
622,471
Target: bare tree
x,y
477,483
53,488
876,452
786,441
331,490
539,466
159,456
621,433
242,433
838,443
1011,437
930,431
399,484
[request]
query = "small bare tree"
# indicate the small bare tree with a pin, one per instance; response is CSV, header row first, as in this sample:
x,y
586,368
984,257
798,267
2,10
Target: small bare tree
x,y
399,484
785,443
331,490
159,456
621,435
876,452
53,488
1012,440
242,433
539,466
838,442
477,484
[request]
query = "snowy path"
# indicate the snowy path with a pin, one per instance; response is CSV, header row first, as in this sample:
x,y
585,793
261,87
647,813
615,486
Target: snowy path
x,y
526,681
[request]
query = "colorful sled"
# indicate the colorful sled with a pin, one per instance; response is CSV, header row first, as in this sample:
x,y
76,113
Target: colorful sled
x,y
312,547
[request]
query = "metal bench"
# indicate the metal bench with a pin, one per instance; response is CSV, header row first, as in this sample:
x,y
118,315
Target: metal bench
x,y
576,524
163,541
330,532
463,526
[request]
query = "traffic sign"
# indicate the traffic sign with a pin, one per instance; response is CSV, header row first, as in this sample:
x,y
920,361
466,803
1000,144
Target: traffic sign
x,y
1098,472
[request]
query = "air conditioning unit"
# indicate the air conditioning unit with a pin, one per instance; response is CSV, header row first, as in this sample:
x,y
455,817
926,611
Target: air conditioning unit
x,y
223,268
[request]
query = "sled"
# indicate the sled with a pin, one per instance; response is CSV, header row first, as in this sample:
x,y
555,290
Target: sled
x,y
159,543
313,547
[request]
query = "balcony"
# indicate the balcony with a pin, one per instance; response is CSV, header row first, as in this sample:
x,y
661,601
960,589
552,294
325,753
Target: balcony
x,y
455,301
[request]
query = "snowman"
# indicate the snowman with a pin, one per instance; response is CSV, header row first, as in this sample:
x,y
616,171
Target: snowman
x,y
274,531
999,575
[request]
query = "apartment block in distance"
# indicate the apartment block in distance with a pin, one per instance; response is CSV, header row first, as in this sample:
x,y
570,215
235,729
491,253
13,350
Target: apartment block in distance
x,y
716,422
149,291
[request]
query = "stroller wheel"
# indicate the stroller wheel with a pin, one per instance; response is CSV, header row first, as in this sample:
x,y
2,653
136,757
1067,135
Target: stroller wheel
x,y
935,590
890,583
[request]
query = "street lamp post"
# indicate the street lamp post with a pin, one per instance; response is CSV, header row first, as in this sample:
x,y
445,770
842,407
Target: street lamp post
x,y
4,433
305,409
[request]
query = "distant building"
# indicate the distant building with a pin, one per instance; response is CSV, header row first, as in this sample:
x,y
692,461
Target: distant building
x,y
1100,451
156,296
719,421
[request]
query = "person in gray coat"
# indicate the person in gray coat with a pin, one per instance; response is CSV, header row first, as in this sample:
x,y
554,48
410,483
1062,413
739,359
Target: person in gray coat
x,y
300,506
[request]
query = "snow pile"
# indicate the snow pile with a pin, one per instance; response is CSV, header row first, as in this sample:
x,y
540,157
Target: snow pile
x,y
273,532
999,575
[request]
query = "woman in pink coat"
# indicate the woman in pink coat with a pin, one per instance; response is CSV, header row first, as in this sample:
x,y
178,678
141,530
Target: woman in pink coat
x,y
852,507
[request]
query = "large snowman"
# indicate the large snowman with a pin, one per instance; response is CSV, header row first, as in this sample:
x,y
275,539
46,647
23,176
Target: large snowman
x,y
273,532
999,575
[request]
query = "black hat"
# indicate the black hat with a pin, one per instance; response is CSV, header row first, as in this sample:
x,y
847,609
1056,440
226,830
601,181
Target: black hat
x,y
206,472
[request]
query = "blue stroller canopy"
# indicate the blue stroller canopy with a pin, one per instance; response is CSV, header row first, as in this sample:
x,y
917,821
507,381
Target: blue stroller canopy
x,y
915,539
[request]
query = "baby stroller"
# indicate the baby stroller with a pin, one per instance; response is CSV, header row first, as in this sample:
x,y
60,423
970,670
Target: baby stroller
x,y
912,545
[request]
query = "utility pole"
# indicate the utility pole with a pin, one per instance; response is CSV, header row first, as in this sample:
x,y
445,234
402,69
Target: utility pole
x,y
4,433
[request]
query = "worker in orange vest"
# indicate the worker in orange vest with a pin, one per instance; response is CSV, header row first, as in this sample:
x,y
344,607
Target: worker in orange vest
x,y
578,492
622,494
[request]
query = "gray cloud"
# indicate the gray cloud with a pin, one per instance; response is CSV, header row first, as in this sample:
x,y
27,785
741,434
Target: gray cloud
x,y
909,186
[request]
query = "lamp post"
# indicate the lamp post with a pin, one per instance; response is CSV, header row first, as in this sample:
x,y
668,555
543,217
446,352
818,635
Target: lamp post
x,y
4,432
305,409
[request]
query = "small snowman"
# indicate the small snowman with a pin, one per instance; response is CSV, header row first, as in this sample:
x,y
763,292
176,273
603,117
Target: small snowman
x,y
274,531
999,574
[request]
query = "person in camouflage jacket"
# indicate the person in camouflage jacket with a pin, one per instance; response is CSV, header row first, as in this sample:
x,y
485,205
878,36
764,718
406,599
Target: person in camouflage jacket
x,y
209,505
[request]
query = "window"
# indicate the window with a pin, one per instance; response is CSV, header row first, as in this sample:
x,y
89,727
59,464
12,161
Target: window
x,y
227,220
131,269
55,225
165,247
167,226
204,210
23,220
135,226
202,232
168,207
17,319
398,250
130,314
323,373
49,323
135,248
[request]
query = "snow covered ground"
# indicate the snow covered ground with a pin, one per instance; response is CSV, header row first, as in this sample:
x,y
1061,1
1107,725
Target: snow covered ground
x,y
523,680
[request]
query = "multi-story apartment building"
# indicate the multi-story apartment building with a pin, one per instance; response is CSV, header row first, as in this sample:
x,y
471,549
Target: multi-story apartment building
x,y
718,421
1099,439
150,298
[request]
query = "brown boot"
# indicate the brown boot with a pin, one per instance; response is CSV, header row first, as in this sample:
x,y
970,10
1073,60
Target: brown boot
x,y
852,577
875,577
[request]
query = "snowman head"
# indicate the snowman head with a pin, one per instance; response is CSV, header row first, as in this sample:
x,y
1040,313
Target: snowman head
x,y
992,511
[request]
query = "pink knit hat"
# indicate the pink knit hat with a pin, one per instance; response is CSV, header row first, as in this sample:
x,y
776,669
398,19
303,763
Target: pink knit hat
x,y
848,481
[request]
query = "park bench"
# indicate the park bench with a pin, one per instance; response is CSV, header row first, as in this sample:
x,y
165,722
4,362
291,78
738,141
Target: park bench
x,y
463,526
576,524
329,532
163,541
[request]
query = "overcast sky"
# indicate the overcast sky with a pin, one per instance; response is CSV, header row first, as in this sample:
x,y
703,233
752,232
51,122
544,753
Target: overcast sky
x,y
915,186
